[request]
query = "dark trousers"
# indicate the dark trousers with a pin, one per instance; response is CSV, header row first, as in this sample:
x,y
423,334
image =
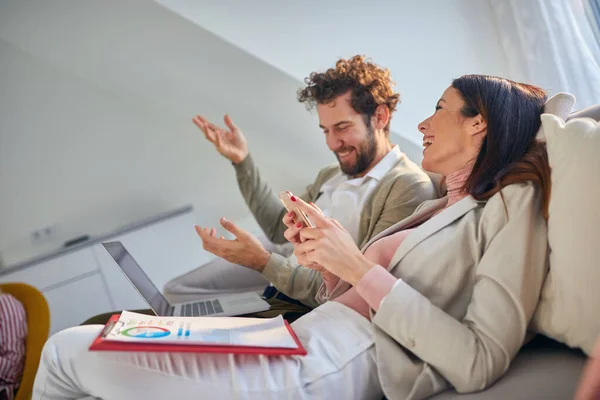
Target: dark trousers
x,y
280,304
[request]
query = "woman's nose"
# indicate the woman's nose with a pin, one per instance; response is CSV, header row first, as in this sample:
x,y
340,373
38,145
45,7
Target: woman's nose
x,y
423,126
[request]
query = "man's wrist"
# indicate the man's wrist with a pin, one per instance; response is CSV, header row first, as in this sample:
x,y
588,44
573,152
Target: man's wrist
x,y
262,260
239,160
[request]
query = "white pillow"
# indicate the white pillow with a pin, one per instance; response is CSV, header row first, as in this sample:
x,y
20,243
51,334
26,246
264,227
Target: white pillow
x,y
561,105
569,308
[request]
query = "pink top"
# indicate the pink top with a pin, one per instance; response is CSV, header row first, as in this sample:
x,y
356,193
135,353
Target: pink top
x,y
378,282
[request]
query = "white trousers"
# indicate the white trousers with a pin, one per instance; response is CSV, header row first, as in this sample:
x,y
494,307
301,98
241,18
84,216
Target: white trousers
x,y
340,365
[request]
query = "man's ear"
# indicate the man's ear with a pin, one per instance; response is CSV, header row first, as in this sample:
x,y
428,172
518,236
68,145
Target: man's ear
x,y
381,117
476,125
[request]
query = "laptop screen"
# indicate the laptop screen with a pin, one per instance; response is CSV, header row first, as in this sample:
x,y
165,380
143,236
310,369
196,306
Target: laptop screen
x,y
138,278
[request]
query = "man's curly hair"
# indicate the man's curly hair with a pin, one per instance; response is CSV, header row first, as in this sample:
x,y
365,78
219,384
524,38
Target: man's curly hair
x,y
371,86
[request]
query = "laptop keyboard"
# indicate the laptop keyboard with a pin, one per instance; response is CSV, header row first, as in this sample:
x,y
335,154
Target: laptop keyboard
x,y
201,308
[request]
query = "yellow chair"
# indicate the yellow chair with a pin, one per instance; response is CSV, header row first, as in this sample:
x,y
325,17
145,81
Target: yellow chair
x,y
38,327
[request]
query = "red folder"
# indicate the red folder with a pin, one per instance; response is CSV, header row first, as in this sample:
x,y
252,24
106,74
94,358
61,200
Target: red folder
x,y
100,344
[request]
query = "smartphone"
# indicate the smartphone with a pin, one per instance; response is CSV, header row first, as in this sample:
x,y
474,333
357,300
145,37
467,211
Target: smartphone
x,y
289,205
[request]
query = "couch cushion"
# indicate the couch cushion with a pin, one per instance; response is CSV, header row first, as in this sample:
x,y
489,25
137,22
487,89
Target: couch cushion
x,y
570,300
542,370
560,105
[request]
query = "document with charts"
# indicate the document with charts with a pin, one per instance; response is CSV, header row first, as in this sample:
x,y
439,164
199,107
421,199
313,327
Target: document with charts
x,y
225,331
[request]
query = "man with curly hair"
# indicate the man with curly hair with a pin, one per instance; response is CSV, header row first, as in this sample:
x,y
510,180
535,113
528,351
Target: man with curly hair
x,y
372,186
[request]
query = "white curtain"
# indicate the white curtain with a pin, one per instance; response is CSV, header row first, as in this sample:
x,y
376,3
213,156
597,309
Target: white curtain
x,y
592,11
551,44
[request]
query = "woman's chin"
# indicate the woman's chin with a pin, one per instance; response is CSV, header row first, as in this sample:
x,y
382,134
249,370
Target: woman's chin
x,y
432,167
428,165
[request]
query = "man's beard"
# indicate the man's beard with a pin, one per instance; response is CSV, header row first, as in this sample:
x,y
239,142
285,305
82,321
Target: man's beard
x,y
365,154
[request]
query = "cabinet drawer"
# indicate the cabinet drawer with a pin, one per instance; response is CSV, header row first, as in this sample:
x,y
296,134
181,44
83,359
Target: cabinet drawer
x,y
77,301
57,270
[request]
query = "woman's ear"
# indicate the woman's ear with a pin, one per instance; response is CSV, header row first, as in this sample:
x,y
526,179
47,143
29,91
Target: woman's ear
x,y
476,125
381,117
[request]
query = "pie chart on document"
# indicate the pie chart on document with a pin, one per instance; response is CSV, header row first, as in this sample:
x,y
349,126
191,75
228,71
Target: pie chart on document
x,y
149,332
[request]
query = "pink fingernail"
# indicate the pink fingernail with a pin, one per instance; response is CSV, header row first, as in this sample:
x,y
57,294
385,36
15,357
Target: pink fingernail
x,y
293,198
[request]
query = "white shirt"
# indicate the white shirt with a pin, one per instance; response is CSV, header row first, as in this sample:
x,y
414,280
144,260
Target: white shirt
x,y
343,198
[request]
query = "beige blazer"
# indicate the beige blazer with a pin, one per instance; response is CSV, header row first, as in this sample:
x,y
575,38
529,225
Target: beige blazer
x,y
395,197
470,280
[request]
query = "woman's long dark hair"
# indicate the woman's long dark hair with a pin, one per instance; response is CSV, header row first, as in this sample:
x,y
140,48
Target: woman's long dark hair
x,y
510,152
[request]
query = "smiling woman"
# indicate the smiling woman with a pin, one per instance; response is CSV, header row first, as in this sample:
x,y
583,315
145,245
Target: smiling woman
x,y
482,123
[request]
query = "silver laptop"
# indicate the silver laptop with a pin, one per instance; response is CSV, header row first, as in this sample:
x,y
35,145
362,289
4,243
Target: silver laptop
x,y
219,306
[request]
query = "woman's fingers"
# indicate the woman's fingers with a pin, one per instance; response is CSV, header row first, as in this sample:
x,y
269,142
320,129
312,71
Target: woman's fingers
x,y
314,214
289,219
311,234
316,207
292,234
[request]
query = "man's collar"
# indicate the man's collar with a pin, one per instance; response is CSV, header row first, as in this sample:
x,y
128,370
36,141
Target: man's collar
x,y
385,164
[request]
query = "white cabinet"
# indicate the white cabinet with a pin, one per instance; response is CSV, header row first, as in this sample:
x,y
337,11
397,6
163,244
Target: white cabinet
x,y
81,283
56,271
72,285
73,303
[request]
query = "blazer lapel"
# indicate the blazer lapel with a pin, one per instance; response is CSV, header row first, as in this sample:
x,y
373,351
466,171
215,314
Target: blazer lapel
x,y
432,226
424,213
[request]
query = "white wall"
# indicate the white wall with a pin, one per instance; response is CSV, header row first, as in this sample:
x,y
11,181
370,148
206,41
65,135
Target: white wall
x,y
95,112
425,43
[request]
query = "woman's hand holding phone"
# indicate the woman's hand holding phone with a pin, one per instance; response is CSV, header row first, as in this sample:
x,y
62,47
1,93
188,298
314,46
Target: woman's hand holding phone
x,y
295,225
295,219
292,233
289,200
